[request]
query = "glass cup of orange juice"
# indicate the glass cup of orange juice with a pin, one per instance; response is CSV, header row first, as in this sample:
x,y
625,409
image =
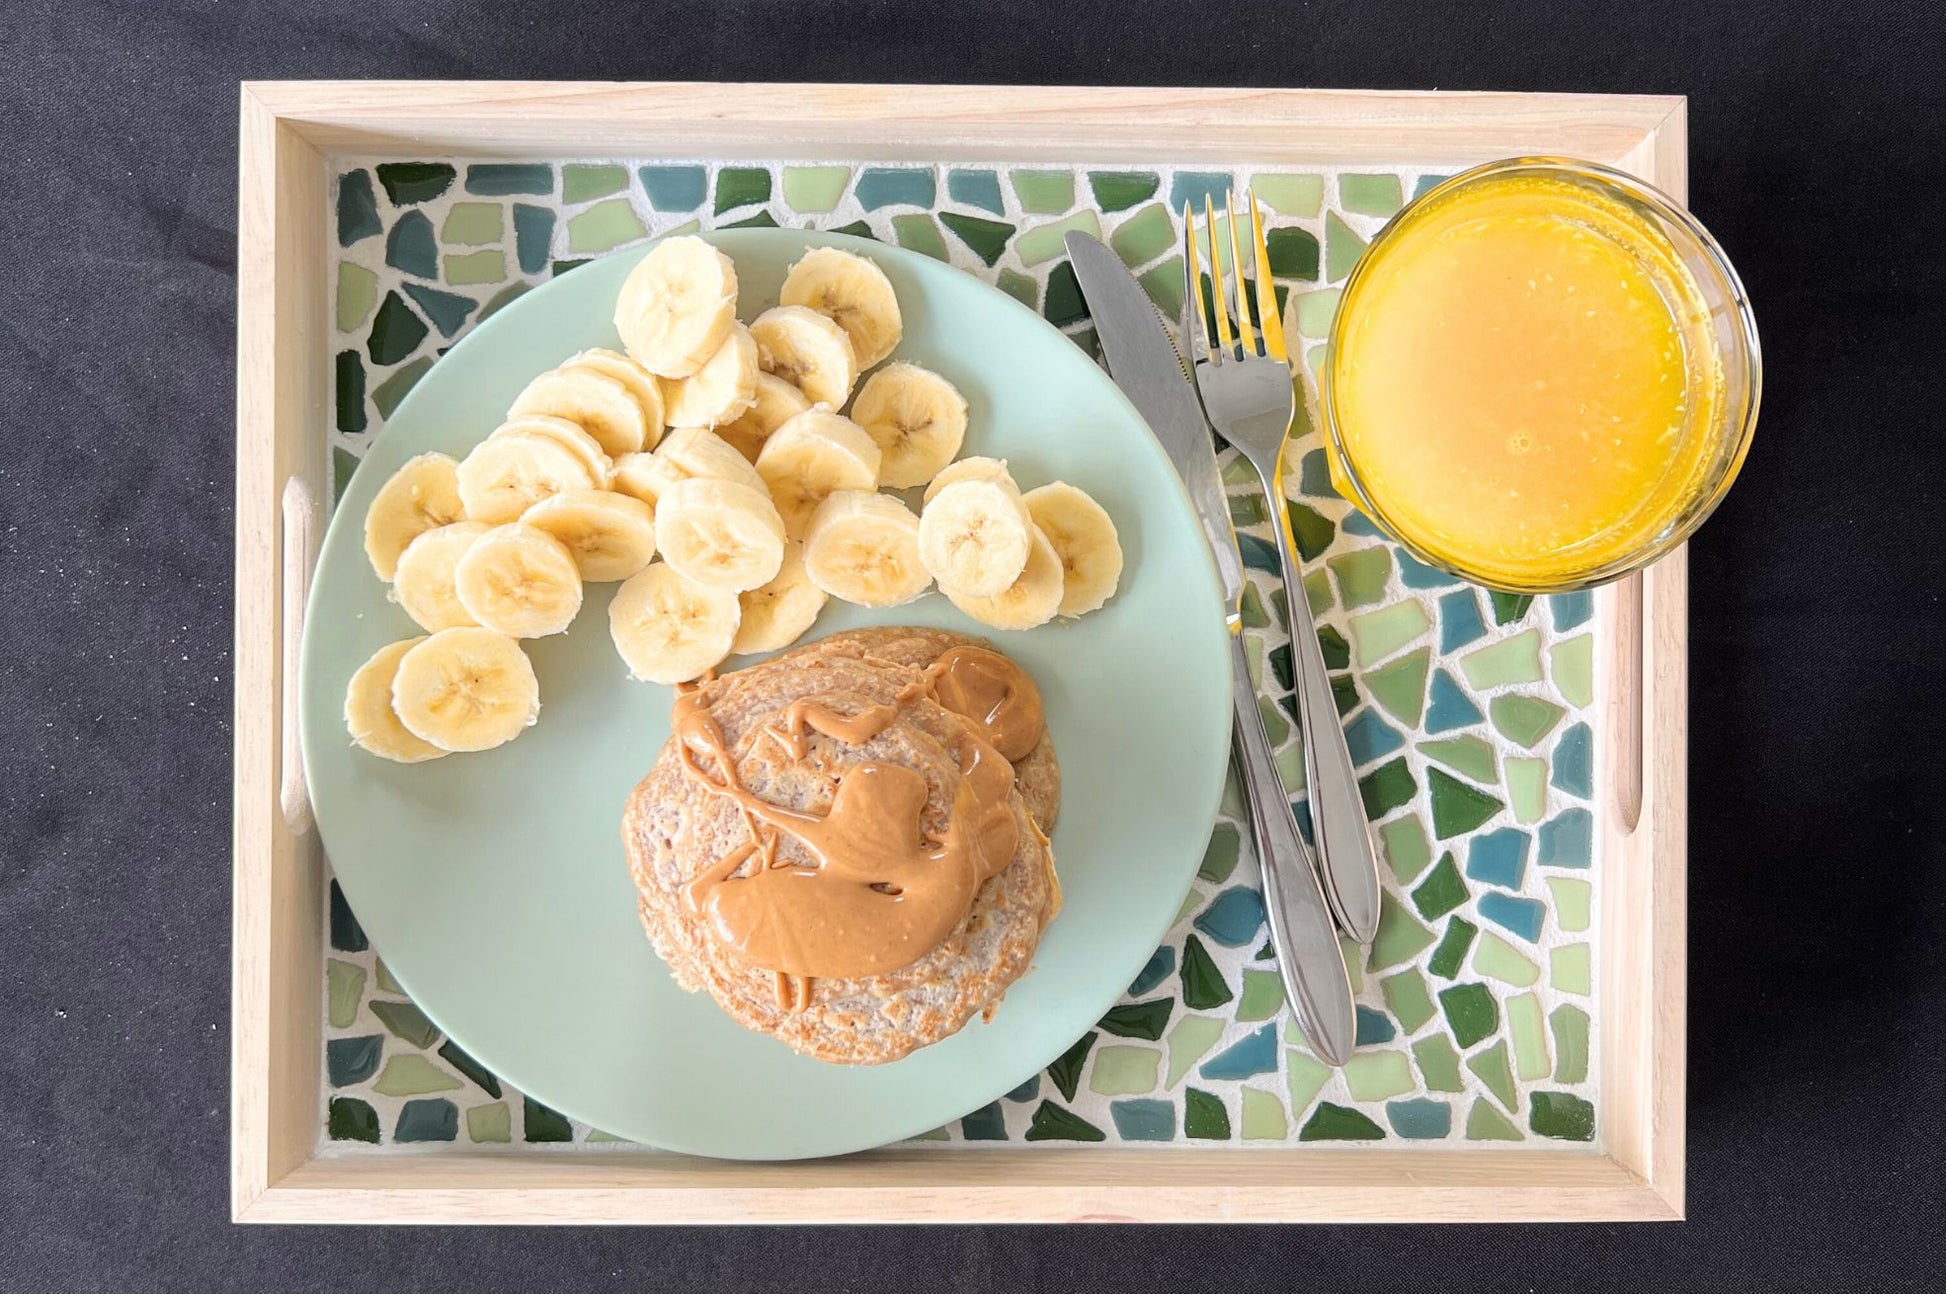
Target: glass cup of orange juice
x,y
1543,374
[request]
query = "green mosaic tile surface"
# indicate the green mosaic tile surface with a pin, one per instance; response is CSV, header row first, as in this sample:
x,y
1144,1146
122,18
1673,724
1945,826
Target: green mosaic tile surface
x,y
1470,717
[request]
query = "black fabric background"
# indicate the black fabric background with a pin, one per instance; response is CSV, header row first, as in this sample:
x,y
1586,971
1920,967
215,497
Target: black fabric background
x,y
1817,964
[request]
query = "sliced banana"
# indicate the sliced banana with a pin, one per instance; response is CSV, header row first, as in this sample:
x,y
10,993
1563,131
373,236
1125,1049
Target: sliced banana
x,y
642,384
722,388
601,405
719,533
509,473
670,629
807,350
423,584
1083,535
918,419
1030,600
863,547
776,403
852,292
466,689
684,453
976,468
812,455
520,581
421,496
776,615
374,724
610,535
571,435
975,536
676,306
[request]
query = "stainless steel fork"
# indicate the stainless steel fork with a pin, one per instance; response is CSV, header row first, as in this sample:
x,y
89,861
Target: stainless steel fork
x,y
1248,392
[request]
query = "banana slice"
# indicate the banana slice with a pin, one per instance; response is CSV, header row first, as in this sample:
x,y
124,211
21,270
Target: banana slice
x,y
422,495
777,402
807,350
812,455
1030,600
1083,535
670,629
685,453
975,536
863,547
918,419
719,533
676,306
976,468
466,689
520,581
599,404
423,584
507,474
610,535
369,715
776,615
642,384
571,436
722,388
852,292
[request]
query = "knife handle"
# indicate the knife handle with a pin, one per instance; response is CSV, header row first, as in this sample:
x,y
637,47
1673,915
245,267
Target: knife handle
x,y
1315,980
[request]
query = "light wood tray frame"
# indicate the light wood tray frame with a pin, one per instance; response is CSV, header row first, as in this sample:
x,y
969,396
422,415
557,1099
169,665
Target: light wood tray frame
x,y
289,132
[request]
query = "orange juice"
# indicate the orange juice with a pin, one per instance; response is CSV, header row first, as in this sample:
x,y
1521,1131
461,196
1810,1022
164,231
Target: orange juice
x,y
1524,382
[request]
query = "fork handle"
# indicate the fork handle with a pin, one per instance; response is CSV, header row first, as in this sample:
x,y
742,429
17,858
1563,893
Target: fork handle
x,y
1315,980
1337,808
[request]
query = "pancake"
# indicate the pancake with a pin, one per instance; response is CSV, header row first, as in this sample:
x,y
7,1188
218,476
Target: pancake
x,y
680,825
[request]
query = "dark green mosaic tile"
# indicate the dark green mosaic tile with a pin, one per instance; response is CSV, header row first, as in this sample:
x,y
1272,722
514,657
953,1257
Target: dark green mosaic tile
x,y
412,247
1251,609
447,310
1400,936
1562,1116
352,1060
857,229
436,1119
1220,858
761,220
562,267
986,238
1248,510
1456,807
740,186
387,395
1204,1116
1293,253
1120,190
1441,891
1345,692
396,331
1203,985
1471,1012
406,1021
1065,1073
976,189
676,188
357,208
1055,1123
919,233
496,179
1387,787
346,934
1339,1123
1089,343
1139,1019
504,297
1447,959
349,1119
988,1123
349,391
888,186
581,182
1337,652
409,182
1064,303
450,1053
538,1123
343,464
1313,531
1509,607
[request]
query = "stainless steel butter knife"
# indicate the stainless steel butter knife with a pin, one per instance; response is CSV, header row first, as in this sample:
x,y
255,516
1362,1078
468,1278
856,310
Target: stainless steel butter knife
x,y
1148,368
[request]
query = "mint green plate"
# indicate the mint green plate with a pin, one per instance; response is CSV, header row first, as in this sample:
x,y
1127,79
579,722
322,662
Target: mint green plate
x,y
494,885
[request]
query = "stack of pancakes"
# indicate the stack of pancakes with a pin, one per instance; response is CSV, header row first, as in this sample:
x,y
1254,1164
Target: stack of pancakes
x,y
676,827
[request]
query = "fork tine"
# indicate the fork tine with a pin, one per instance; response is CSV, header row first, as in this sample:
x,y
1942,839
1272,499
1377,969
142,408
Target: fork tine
x,y
1267,317
1219,295
1194,325
1244,335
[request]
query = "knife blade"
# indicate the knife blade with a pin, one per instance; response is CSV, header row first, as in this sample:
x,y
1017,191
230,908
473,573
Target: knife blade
x,y
1144,362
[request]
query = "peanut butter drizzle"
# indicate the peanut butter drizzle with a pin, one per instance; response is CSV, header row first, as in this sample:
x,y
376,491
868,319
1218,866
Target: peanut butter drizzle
x,y
992,691
881,895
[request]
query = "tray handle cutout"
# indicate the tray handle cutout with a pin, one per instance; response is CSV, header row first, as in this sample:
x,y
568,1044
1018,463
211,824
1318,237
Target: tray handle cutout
x,y
299,542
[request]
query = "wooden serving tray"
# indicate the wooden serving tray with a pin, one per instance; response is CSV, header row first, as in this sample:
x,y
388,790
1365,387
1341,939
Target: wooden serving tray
x,y
297,139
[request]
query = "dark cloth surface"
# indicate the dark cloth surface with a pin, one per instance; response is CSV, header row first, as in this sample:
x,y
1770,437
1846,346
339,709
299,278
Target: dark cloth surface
x,y
1818,966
